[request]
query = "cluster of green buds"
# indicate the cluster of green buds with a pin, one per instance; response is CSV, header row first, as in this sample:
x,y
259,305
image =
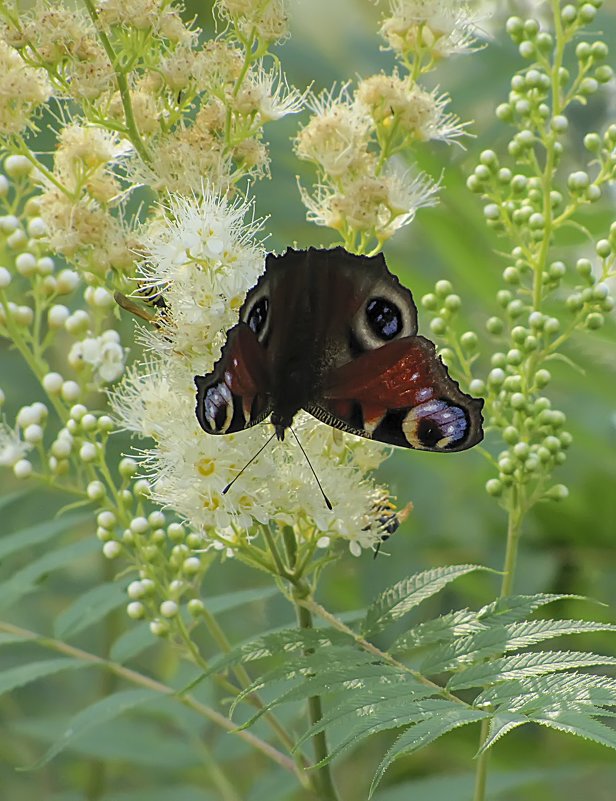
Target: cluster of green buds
x,y
530,194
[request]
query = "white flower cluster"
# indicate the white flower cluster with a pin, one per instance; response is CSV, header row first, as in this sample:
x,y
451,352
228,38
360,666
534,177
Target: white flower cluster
x,y
440,26
202,260
104,355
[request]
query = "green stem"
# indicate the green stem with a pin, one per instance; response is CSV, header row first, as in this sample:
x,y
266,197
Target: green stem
x,y
315,712
140,680
481,773
301,592
244,681
514,526
131,125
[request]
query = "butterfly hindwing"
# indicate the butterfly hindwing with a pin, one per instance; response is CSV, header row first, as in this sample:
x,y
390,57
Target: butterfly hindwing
x,y
401,394
234,395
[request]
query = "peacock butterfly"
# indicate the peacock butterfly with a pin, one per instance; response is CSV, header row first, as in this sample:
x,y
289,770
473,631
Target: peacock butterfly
x,y
336,334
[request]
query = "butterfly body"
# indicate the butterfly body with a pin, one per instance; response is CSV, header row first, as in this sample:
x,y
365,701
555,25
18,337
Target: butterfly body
x,y
335,334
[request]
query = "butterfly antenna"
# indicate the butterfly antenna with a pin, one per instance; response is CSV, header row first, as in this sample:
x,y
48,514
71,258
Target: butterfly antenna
x,y
248,463
316,478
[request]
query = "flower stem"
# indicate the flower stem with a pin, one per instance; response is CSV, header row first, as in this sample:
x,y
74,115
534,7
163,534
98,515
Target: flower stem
x,y
315,711
301,592
134,677
514,528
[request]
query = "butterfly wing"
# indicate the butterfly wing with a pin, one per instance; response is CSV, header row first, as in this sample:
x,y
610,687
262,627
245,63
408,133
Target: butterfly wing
x,y
234,396
401,394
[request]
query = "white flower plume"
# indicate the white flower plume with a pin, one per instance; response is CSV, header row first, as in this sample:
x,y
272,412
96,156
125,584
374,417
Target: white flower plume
x,y
202,260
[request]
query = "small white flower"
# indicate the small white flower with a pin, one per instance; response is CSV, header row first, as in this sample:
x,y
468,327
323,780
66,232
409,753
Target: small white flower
x,y
12,448
202,261
337,135
276,98
439,25
103,354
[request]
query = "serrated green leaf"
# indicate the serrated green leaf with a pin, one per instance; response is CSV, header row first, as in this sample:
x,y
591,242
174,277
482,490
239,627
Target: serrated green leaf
x,y
37,534
576,686
278,644
391,714
133,642
423,733
466,650
89,608
499,639
523,665
441,629
513,608
298,668
580,725
373,693
409,593
21,675
24,581
531,632
500,725
349,679
99,712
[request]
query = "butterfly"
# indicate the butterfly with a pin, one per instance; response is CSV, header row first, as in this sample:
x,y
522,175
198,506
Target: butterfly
x,y
335,334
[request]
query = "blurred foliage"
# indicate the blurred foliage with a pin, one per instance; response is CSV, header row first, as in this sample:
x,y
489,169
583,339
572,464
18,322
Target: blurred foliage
x,y
164,751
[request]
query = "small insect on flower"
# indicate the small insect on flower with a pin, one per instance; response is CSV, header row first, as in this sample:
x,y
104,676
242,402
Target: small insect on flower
x,y
388,519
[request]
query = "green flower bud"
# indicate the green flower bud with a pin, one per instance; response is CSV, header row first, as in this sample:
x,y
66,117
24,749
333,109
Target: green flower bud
x,y
542,378
469,340
494,487
594,321
494,326
558,492
511,435
438,326
429,302
443,288
518,400
603,248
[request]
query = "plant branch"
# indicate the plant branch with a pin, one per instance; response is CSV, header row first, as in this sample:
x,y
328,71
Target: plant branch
x,y
139,679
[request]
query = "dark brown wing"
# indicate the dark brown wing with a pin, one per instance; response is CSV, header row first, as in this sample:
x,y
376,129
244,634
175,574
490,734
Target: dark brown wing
x,y
401,394
234,396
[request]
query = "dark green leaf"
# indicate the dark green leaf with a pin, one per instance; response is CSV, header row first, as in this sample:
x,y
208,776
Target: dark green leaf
x,y
132,642
19,676
37,534
89,608
441,629
523,665
405,595
423,733
580,725
25,581
99,712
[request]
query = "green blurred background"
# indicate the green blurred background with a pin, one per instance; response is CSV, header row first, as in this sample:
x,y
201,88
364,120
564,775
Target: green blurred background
x,y
159,752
